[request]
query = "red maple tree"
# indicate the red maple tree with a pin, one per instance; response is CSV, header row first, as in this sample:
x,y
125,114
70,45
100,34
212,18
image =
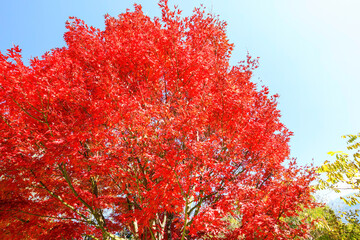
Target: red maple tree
x,y
144,130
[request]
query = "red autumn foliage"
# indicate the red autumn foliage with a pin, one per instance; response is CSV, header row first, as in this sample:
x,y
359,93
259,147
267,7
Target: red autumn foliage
x,y
144,128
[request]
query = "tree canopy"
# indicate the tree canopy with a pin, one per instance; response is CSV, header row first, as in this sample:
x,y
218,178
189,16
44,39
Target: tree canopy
x,y
144,129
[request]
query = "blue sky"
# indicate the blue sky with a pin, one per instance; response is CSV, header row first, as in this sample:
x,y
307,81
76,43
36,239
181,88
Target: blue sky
x,y
309,54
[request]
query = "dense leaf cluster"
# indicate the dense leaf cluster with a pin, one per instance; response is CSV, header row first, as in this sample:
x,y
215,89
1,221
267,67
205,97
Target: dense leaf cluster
x,y
144,129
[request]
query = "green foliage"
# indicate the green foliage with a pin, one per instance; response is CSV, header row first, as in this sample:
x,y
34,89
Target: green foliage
x,y
326,225
330,226
345,171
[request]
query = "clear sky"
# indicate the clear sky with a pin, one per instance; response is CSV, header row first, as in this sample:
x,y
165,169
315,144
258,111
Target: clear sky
x,y
309,54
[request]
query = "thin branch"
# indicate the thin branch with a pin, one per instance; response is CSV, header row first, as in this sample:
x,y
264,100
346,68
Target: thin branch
x,y
27,113
67,179
6,121
92,236
44,216
95,213
66,204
